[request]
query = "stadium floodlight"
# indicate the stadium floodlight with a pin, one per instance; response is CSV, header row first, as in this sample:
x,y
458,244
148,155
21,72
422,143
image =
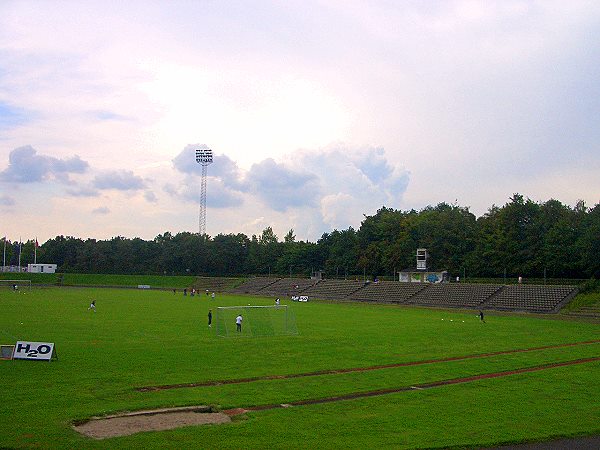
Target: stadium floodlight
x,y
204,157
272,320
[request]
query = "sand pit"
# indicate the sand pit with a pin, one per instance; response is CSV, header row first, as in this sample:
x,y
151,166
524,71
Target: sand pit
x,y
154,420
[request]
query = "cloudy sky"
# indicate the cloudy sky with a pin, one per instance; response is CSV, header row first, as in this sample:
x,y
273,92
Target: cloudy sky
x,y
317,112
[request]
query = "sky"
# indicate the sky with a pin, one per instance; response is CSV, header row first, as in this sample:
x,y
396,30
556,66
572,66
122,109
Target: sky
x,y
317,112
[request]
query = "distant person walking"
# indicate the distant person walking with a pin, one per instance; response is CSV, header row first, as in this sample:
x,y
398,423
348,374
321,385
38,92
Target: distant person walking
x,y
481,316
92,306
238,323
209,318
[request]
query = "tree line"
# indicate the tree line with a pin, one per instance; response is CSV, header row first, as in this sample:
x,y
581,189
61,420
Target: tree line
x,y
521,238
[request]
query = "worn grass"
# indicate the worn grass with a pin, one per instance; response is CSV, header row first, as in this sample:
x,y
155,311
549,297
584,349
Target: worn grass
x,y
142,338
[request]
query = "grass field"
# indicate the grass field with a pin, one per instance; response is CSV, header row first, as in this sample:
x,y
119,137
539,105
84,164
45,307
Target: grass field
x,y
148,338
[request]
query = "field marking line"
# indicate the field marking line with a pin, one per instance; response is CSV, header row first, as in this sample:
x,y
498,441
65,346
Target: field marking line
x,y
420,387
358,369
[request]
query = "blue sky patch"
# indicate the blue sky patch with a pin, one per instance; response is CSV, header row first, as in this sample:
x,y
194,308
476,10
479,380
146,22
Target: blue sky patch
x,y
10,116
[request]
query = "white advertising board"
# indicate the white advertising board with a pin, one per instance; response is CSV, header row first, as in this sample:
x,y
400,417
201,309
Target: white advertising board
x,y
37,351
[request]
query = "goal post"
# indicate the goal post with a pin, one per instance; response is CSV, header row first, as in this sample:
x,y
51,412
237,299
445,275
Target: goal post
x,y
15,284
272,320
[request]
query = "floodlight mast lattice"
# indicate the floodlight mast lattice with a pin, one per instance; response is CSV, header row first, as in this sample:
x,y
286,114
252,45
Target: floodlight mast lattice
x,y
204,157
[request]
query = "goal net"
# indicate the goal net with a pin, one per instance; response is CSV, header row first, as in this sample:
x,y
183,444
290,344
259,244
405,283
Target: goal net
x,y
15,284
273,320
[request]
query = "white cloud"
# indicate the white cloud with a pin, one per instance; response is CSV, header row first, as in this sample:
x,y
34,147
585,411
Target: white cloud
x,y
218,195
440,101
340,210
121,180
26,166
83,191
282,187
150,197
103,210
5,200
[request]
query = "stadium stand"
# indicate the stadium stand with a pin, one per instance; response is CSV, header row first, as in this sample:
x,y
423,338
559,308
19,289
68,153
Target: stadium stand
x,y
214,284
528,298
531,298
455,295
388,292
288,286
253,285
333,289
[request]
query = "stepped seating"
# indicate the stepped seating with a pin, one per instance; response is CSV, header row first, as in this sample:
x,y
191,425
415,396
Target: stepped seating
x,y
528,298
253,285
542,299
455,295
288,286
333,289
388,292
214,284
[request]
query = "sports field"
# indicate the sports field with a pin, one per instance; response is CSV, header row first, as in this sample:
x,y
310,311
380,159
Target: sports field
x,y
355,375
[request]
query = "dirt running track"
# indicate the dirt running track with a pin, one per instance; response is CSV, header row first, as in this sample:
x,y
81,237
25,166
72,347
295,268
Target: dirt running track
x,y
416,387
131,423
357,369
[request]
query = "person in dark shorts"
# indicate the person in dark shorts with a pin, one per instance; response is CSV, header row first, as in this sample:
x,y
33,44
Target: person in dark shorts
x,y
238,323
481,316
209,318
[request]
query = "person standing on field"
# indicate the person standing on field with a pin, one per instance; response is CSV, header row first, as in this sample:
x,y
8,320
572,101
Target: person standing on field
x,y
238,323
481,316
92,306
209,318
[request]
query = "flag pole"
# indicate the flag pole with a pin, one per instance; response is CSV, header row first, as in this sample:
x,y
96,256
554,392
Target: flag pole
x,y
35,251
20,243
4,260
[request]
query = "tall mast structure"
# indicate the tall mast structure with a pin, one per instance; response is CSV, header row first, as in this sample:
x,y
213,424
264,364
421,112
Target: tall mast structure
x,y
204,157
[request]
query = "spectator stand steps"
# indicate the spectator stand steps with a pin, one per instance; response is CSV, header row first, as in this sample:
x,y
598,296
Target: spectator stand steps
x,y
388,292
531,298
524,298
334,289
288,287
214,284
253,285
455,295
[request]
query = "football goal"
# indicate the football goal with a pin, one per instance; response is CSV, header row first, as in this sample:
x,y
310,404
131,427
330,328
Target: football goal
x,y
273,320
15,284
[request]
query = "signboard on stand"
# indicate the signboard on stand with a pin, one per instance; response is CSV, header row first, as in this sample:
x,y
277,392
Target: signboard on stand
x,y
36,351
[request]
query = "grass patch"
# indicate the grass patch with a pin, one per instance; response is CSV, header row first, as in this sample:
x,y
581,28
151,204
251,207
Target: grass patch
x,y
146,338
587,299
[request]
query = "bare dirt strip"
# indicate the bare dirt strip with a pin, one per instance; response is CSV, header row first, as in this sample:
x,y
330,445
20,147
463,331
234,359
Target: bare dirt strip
x,y
357,369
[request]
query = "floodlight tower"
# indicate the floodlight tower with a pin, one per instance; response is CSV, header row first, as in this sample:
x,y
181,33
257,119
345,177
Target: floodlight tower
x,y
204,157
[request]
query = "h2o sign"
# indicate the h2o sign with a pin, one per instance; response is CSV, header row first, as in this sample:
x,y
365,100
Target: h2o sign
x,y
41,351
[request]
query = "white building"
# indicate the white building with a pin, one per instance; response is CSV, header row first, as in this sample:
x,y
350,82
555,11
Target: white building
x,y
41,268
